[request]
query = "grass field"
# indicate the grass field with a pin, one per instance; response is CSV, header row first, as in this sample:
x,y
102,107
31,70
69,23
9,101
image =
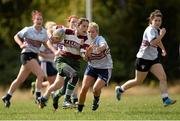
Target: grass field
x,y
138,103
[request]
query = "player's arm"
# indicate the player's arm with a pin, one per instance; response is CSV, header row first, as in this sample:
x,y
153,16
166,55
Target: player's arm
x,y
45,55
156,41
163,50
45,44
86,52
51,47
19,41
101,48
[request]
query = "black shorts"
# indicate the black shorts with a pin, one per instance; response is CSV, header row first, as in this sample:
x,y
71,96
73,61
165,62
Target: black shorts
x,y
28,56
145,65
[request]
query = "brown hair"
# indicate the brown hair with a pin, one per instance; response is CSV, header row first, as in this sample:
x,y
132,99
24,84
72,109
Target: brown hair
x,y
35,13
156,13
82,20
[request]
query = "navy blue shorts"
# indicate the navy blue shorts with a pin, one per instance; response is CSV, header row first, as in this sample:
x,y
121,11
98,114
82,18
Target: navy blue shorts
x,y
48,68
104,74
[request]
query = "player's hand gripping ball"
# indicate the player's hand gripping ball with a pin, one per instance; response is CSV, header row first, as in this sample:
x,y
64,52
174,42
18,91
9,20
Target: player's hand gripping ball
x,y
89,50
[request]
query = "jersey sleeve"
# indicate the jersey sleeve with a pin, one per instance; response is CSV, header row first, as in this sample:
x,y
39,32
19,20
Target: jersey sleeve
x,y
101,41
23,32
151,35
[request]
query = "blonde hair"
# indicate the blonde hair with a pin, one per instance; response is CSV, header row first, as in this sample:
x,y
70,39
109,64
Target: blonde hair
x,y
156,13
49,24
95,25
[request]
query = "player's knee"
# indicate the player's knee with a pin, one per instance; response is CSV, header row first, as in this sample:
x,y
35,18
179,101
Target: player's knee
x,y
74,78
63,90
74,75
138,82
96,90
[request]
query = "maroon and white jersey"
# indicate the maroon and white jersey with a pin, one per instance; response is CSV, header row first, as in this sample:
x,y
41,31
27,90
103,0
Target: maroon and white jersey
x,y
86,44
72,44
32,38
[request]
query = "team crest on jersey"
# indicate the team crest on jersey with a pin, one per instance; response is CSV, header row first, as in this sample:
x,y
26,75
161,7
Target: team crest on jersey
x,y
142,66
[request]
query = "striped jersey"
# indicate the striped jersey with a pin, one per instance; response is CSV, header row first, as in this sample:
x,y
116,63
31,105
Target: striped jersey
x,y
147,51
32,38
72,44
101,60
48,52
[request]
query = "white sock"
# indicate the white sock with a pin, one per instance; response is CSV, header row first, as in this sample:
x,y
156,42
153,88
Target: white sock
x,y
9,93
163,95
122,89
38,90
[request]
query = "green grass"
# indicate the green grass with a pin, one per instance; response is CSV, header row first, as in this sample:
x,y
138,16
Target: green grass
x,y
131,107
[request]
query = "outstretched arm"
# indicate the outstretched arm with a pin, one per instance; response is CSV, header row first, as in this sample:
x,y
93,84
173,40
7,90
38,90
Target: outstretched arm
x,y
52,48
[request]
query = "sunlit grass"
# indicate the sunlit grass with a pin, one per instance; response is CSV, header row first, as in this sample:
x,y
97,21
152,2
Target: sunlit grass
x,y
131,107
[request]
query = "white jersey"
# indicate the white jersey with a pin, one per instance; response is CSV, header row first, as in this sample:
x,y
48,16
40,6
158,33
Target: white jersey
x,y
32,38
146,50
48,52
102,60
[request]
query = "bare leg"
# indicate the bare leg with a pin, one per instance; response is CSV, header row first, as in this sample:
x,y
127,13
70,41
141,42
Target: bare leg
x,y
158,71
99,84
87,82
56,85
36,69
139,78
23,74
50,80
